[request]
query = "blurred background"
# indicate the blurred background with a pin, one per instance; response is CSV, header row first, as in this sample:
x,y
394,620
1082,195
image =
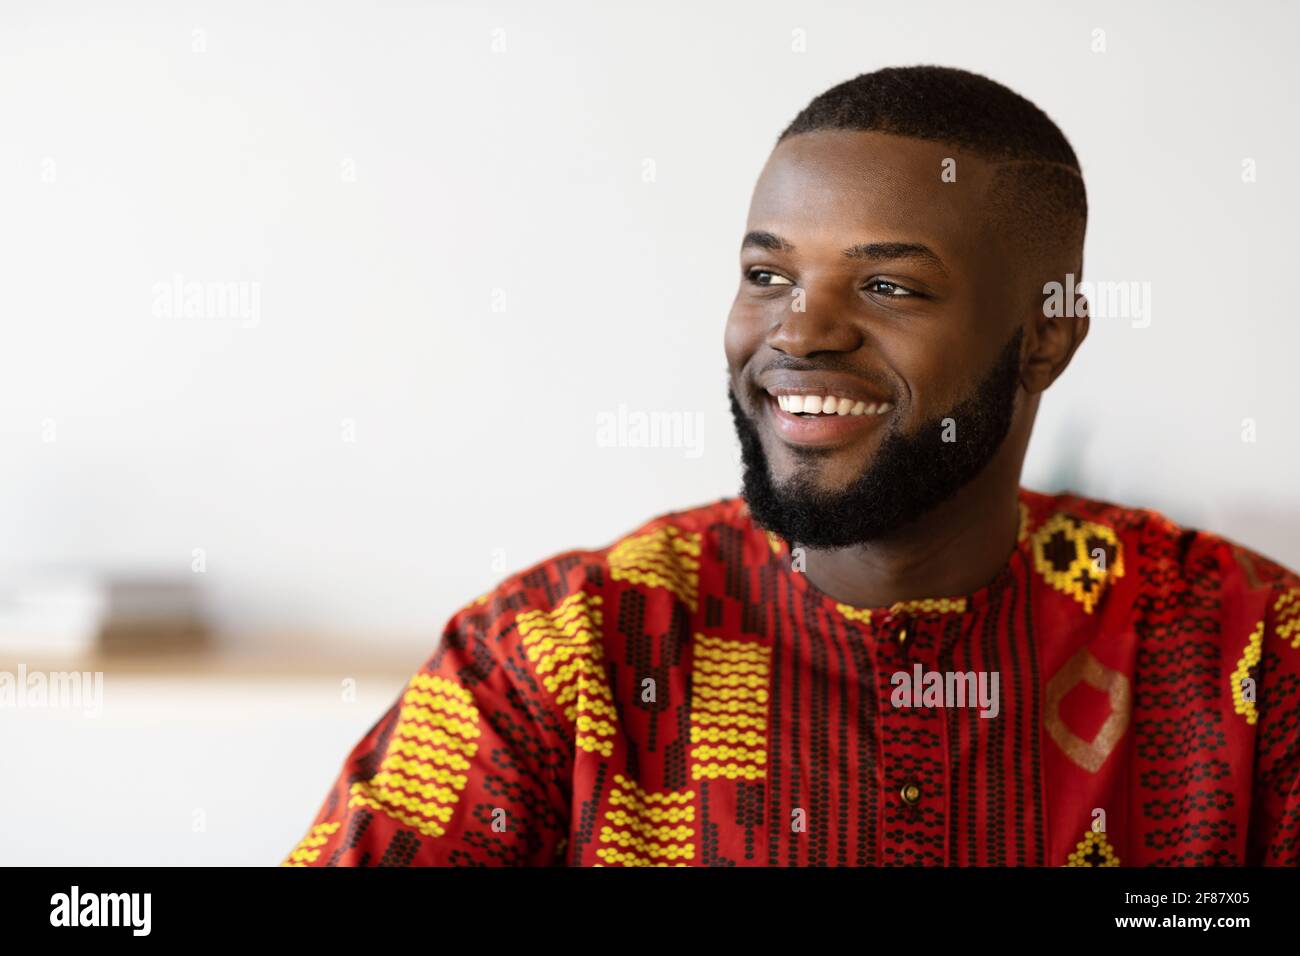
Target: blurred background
x,y
321,318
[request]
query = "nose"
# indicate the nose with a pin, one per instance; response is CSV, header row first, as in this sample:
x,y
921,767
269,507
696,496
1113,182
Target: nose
x,y
813,322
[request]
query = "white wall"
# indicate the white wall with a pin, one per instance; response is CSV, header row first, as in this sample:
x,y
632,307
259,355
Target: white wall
x,y
179,771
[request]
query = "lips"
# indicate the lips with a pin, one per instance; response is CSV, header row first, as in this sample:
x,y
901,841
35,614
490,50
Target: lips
x,y
823,409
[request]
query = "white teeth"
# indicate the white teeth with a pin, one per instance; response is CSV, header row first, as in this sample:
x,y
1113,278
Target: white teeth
x,y
830,405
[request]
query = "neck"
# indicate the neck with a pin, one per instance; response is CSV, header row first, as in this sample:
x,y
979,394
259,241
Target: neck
x,y
955,549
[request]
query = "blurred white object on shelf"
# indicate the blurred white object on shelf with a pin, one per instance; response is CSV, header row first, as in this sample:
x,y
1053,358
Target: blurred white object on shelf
x,y
76,613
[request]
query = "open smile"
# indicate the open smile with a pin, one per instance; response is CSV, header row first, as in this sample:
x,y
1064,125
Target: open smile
x,y
821,419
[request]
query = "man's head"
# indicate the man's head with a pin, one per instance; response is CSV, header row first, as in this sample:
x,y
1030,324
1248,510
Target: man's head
x,y
897,245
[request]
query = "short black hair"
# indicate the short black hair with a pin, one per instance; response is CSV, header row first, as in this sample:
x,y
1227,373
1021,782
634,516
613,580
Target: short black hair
x,y
1038,186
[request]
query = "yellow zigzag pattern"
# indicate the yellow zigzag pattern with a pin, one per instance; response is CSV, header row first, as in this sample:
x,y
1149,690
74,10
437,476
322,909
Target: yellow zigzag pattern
x,y
917,606
860,614
729,695
1287,617
640,826
308,849
666,557
1250,657
416,783
565,648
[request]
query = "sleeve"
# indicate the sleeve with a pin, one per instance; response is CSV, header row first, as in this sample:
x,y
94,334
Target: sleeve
x,y
1275,806
470,766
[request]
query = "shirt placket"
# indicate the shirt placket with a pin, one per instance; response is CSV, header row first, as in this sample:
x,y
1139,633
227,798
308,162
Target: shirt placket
x,y
914,791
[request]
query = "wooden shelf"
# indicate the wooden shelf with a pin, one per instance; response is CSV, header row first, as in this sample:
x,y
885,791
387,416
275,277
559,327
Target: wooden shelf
x,y
278,660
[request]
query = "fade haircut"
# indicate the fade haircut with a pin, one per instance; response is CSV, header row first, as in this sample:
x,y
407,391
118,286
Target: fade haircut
x,y
1036,195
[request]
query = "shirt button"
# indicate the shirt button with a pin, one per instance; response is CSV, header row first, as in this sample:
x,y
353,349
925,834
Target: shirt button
x,y
911,793
904,623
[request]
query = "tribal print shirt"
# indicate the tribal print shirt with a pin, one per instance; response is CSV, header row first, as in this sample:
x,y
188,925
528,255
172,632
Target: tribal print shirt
x,y
687,697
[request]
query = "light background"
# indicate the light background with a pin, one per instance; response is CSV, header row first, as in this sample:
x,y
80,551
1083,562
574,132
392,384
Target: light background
x,y
379,171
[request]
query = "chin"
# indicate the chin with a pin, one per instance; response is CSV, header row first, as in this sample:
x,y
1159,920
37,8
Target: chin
x,y
832,469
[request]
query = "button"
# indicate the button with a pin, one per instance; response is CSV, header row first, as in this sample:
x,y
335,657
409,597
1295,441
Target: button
x,y
910,793
904,625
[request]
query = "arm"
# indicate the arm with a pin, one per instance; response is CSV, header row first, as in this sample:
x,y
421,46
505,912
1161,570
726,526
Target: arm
x,y
1275,809
469,766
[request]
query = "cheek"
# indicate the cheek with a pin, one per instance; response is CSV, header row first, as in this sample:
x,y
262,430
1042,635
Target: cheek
x,y
742,337
932,378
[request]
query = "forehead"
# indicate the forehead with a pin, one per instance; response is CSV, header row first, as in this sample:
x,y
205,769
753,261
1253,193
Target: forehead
x,y
841,187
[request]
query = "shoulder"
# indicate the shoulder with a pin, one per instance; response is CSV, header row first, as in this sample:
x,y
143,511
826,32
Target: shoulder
x,y
1161,558
541,633
662,551
1121,520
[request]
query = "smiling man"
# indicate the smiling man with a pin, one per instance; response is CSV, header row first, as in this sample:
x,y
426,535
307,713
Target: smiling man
x,y
885,651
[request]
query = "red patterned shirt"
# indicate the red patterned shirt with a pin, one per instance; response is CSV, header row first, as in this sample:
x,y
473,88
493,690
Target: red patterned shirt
x,y
1124,692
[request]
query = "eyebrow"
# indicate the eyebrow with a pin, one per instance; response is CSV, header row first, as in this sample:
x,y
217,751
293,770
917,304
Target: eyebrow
x,y
876,251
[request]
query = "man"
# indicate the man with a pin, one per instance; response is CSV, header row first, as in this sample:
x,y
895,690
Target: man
x,y
886,651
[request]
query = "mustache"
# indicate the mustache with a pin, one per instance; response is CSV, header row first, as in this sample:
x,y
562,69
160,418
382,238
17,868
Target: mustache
x,y
792,363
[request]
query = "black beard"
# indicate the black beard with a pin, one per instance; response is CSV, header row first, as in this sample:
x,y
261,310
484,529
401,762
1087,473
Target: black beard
x,y
909,477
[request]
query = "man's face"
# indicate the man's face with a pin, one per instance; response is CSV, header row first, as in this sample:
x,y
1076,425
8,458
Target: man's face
x,y
868,277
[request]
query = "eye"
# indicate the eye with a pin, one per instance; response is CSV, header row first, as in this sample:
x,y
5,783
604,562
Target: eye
x,y
888,289
766,277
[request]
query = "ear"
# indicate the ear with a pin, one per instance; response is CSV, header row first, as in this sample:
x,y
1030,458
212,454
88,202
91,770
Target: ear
x,y
1053,335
